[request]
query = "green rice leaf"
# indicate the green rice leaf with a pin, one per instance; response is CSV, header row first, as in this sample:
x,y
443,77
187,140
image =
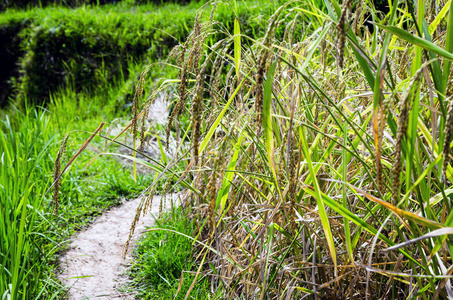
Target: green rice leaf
x,y
415,40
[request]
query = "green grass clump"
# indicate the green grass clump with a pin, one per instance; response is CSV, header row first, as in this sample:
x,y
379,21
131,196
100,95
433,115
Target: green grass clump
x,y
22,4
162,256
26,148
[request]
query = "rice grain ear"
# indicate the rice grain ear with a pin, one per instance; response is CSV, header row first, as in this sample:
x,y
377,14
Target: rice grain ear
x,y
448,132
262,63
182,75
356,25
132,228
57,172
403,64
143,127
403,121
137,102
211,17
149,201
197,107
261,67
175,52
214,81
342,33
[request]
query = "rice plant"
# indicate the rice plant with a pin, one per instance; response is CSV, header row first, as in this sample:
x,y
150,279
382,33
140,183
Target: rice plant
x,y
320,158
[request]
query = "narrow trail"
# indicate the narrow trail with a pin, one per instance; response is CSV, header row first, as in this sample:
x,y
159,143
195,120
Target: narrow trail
x,y
93,266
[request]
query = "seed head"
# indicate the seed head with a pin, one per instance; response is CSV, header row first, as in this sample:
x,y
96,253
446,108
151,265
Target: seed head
x,y
182,75
403,119
263,57
341,32
197,107
149,200
358,12
448,132
57,173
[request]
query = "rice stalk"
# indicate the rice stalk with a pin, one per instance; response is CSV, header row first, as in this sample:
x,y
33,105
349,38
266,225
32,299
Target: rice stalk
x,y
308,183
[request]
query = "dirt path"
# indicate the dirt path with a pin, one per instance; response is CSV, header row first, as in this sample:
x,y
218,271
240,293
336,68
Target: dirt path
x,y
93,266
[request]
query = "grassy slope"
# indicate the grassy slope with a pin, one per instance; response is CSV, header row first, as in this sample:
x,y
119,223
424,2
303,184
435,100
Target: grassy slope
x,y
83,47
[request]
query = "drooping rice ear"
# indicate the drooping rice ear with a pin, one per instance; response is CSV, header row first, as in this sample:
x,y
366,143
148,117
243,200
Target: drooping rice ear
x,y
197,107
163,199
149,201
403,64
448,132
143,127
342,33
132,229
175,52
358,12
211,17
214,81
57,172
261,67
182,75
403,120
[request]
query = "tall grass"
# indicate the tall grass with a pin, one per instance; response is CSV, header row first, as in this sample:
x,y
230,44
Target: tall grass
x,y
321,161
26,164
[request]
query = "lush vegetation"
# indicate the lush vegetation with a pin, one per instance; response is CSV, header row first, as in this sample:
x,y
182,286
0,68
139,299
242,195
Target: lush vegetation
x,y
66,71
83,48
321,162
313,146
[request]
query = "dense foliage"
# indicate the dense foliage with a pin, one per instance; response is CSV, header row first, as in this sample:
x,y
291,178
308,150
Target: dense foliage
x,y
56,48
41,3
313,146
321,162
82,64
